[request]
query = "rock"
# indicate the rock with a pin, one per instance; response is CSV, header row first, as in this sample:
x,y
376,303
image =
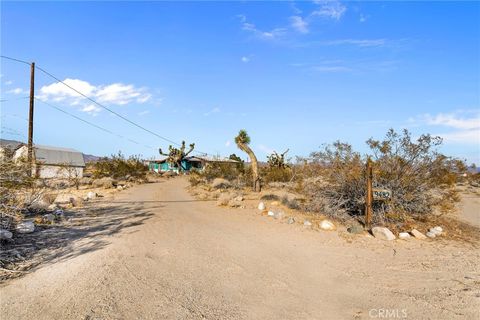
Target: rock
x,y
275,203
68,198
39,205
58,212
238,198
52,207
48,218
64,198
355,229
219,183
430,234
5,234
261,206
104,183
404,235
25,227
119,188
85,181
91,195
307,223
383,233
278,215
417,234
271,213
436,230
291,220
327,225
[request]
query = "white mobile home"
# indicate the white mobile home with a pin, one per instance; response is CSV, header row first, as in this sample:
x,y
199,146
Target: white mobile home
x,y
53,162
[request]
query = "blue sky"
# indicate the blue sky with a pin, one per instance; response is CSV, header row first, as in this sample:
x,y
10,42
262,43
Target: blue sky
x,y
293,74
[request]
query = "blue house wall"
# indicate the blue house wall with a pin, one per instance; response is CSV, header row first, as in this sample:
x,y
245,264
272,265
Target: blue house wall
x,y
165,166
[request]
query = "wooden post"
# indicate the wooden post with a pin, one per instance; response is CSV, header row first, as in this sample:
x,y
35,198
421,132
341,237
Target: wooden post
x,y
369,195
30,118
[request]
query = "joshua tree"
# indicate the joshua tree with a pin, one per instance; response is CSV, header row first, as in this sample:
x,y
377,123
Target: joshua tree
x,y
175,155
243,141
276,160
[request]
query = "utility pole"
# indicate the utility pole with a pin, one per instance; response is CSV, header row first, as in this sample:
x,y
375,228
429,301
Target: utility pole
x,y
369,195
30,118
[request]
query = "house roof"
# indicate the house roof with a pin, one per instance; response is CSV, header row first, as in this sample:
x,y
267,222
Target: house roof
x,y
211,159
198,159
59,156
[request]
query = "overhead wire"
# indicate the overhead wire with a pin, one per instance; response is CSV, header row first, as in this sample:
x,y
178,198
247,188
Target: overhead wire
x,y
93,124
100,105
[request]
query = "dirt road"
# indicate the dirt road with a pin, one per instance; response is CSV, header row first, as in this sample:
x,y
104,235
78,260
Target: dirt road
x,y
178,258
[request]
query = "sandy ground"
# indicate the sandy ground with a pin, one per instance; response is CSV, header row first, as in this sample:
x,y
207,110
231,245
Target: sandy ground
x,y
469,208
156,253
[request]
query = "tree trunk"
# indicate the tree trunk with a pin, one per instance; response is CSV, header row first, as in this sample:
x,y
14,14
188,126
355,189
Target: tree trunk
x,y
257,187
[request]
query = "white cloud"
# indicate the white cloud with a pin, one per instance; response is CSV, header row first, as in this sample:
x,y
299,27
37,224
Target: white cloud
x,y
465,136
330,9
452,120
214,110
111,94
91,109
265,35
357,42
332,69
17,91
299,24
245,59
464,126
363,18
228,143
143,112
121,94
8,82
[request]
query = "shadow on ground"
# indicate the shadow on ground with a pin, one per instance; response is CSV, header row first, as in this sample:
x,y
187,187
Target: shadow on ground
x,y
82,231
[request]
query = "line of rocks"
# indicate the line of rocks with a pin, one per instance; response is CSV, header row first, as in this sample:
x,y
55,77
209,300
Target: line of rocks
x,y
382,233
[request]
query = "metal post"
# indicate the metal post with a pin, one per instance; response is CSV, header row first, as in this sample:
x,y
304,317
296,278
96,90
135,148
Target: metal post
x,y
369,195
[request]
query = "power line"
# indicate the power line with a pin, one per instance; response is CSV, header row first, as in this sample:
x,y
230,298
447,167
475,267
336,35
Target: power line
x,y
106,108
14,59
93,124
99,104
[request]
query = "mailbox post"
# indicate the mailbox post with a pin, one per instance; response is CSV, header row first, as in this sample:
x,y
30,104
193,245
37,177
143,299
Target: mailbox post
x,y
369,195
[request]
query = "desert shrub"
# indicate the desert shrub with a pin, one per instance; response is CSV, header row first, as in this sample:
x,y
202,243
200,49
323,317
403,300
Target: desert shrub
x,y
418,176
270,197
290,203
215,170
117,166
338,188
17,190
276,174
194,179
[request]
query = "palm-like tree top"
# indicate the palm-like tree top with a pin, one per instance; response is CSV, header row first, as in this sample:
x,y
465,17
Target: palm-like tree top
x,y
242,137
